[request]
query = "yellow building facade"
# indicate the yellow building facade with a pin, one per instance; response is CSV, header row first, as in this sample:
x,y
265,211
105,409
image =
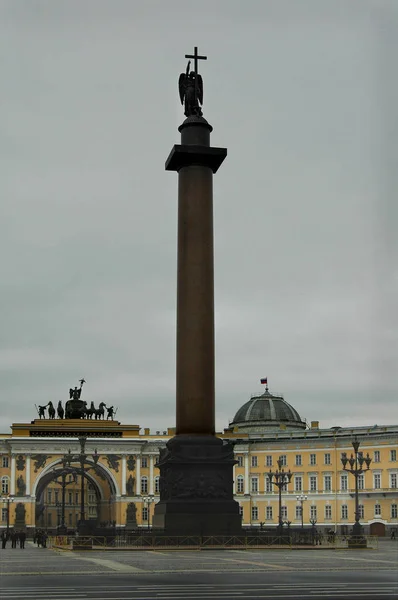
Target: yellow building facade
x,y
121,484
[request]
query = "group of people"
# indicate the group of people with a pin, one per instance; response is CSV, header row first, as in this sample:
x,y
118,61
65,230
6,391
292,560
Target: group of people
x,y
40,538
16,537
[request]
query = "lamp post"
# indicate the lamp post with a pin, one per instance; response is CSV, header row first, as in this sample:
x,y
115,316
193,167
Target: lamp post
x,y
302,498
82,459
148,501
281,479
7,499
62,473
356,466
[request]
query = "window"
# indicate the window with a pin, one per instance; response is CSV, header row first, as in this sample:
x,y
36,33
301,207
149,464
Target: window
x,y
298,483
312,459
5,484
4,514
144,462
344,511
240,484
268,486
240,461
241,511
376,457
377,481
254,461
268,460
268,513
91,498
144,513
298,512
157,484
393,480
144,485
313,512
70,478
49,496
327,458
361,481
327,483
394,511
283,460
393,455
343,482
377,510
298,460
254,513
284,512
328,511
56,494
77,498
361,511
70,519
313,483
70,498
5,462
254,484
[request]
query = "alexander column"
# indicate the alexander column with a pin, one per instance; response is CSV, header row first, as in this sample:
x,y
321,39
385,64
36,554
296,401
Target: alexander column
x,y
196,468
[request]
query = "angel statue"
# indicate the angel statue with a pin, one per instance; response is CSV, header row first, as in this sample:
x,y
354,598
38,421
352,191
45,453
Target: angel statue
x,y
190,85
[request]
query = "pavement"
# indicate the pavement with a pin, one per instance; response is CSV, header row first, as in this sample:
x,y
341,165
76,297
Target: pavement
x,y
39,573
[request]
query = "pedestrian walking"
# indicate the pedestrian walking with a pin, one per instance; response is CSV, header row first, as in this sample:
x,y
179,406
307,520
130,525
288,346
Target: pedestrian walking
x,y
4,539
14,538
22,539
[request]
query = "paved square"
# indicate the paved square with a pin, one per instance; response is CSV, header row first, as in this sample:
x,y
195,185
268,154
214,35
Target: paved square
x,y
120,574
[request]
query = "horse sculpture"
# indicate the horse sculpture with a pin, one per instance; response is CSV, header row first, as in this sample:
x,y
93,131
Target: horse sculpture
x,y
60,410
51,410
100,411
90,411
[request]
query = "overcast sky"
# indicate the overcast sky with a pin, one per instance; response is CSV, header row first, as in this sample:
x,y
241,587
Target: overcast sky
x,y
304,95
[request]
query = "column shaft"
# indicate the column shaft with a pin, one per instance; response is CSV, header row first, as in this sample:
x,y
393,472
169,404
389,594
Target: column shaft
x,y
151,475
246,462
124,466
28,474
195,302
12,483
138,474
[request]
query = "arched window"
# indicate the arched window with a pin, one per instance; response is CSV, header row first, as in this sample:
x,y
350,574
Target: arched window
x,y
5,485
144,485
240,484
157,484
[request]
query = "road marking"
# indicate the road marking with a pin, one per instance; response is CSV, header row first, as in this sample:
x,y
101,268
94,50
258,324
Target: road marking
x,y
258,564
110,564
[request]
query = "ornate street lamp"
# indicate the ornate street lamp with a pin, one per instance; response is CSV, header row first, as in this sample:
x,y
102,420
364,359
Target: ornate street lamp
x,y
82,459
356,466
302,498
281,479
60,479
148,501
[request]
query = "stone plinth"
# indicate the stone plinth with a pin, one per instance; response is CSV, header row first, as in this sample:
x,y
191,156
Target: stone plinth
x,y
196,487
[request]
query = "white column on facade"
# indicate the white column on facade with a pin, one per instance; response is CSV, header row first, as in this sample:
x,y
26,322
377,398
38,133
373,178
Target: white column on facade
x,y
138,472
246,463
28,474
124,469
151,474
12,485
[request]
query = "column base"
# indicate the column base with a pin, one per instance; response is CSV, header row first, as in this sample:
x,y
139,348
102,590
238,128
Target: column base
x,y
196,488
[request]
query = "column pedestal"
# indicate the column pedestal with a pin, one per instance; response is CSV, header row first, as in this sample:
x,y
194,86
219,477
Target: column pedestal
x,y
196,487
